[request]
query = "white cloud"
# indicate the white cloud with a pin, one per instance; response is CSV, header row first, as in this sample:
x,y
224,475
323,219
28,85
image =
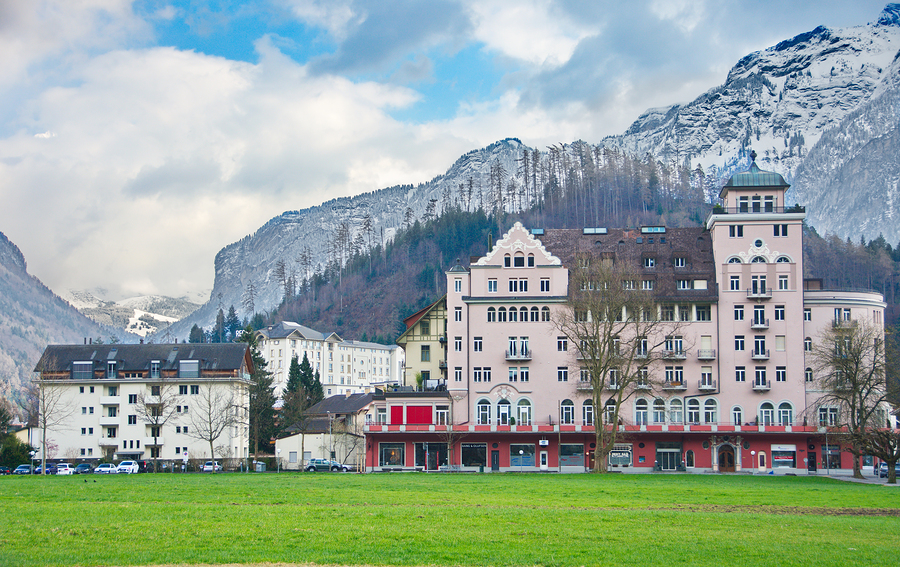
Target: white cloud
x,y
530,30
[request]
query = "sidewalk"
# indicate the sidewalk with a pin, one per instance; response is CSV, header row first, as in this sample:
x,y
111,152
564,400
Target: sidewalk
x,y
868,479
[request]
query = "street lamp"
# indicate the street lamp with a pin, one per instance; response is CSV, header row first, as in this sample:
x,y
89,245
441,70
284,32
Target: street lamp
x,y
521,460
32,453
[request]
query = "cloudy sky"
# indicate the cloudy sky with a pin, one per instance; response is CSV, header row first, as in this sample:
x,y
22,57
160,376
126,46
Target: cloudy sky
x,y
137,138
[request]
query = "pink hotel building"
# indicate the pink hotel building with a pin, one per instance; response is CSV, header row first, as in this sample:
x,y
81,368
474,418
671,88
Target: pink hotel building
x,y
738,393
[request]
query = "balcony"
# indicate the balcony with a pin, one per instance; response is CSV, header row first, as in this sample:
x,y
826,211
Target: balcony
x,y
763,209
762,354
642,386
584,386
760,324
759,293
706,354
613,386
110,400
706,385
762,386
843,324
674,354
105,420
148,441
109,442
523,354
674,385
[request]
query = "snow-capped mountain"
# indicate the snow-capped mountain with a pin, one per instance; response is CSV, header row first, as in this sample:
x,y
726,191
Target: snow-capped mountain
x,y
288,236
141,316
820,108
779,101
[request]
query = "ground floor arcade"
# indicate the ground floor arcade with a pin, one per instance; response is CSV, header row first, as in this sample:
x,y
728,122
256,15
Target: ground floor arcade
x,y
757,449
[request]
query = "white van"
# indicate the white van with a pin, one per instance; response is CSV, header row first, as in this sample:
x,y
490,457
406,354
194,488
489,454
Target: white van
x,y
65,468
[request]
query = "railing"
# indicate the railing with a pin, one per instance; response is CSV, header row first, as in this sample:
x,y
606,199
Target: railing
x,y
759,324
838,323
707,385
706,354
717,210
523,354
674,385
584,386
674,354
109,442
759,293
762,386
613,386
760,354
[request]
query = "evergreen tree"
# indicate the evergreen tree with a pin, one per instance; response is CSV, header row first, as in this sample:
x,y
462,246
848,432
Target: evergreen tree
x,y
294,373
232,324
262,397
218,333
197,335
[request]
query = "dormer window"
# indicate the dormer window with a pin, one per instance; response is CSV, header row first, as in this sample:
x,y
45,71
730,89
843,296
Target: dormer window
x,y
519,260
649,262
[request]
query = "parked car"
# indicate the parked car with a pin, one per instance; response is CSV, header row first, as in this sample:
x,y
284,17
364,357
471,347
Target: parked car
x,y
84,468
128,467
24,469
209,466
883,470
326,465
106,468
5,470
51,469
65,468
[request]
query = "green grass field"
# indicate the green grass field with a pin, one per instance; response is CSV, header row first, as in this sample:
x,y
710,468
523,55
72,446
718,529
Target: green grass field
x,y
431,519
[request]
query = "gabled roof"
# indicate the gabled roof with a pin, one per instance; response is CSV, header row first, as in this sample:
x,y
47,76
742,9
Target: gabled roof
x,y
421,313
336,405
285,329
137,357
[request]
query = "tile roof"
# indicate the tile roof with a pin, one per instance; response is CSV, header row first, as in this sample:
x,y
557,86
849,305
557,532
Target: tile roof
x,y
137,357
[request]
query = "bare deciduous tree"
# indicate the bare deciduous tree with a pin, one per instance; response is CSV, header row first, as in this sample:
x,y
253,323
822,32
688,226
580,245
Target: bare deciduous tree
x,y
54,407
850,371
212,414
155,407
619,332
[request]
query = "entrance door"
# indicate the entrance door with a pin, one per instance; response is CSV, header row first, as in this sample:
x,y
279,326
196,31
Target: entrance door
x,y
495,461
811,462
726,458
667,460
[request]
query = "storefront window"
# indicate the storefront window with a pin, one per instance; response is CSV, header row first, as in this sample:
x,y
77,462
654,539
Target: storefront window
x,y
474,454
392,454
525,459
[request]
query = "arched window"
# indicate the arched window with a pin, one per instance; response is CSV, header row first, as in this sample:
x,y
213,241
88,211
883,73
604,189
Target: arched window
x,y
766,414
693,411
531,260
758,260
609,410
534,314
566,412
501,315
659,411
483,412
503,412
587,412
809,374
545,313
491,315
783,260
785,414
640,412
513,314
689,459
507,261
710,413
519,260
737,415
676,411
523,411
734,260
807,344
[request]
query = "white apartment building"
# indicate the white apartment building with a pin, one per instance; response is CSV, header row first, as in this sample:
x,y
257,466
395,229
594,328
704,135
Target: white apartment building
x,y
344,367
98,394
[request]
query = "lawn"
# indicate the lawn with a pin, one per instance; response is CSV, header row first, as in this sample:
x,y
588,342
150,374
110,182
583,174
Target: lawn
x,y
432,519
